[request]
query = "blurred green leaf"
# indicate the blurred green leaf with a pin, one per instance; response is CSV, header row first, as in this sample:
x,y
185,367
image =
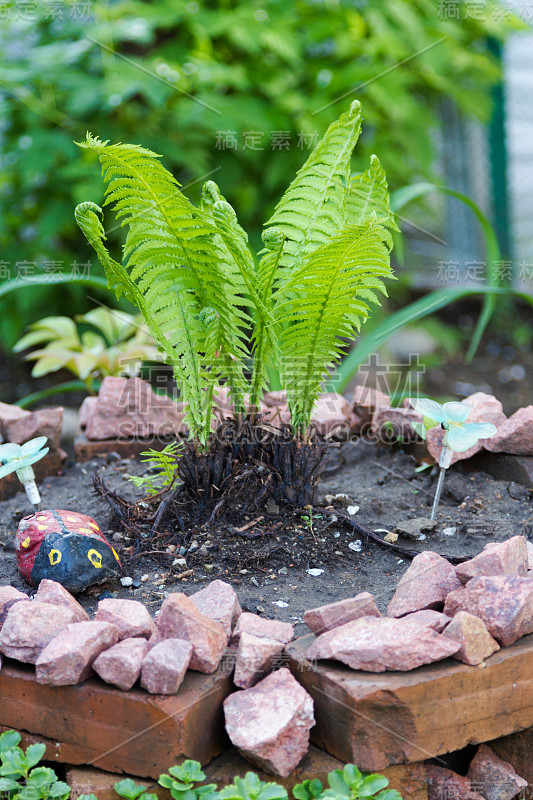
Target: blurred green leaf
x,y
140,72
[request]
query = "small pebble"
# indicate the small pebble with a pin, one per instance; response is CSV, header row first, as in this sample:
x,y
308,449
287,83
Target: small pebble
x,y
280,603
145,578
315,572
179,562
126,581
118,537
352,510
209,567
336,535
355,546
260,609
136,583
449,531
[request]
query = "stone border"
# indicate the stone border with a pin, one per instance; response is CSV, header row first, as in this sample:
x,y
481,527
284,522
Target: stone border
x,y
378,711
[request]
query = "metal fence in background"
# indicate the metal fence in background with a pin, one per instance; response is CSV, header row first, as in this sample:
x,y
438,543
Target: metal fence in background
x,y
492,164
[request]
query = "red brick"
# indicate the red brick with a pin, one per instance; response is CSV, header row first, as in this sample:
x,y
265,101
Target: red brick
x,y
87,780
94,724
378,720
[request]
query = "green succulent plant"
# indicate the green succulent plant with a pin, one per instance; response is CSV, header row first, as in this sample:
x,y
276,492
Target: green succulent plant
x,y
21,778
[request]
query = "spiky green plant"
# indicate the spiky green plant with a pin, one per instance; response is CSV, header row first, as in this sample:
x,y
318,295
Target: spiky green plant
x,y
211,305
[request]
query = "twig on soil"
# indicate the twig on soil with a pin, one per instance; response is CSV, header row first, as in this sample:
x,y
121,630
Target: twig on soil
x,y
185,574
406,552
260,535
250,524
150,553
163,506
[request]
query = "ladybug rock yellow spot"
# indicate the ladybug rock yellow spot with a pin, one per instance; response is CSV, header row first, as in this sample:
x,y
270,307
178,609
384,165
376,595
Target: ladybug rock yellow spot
x,y
95,558
55,556
26,542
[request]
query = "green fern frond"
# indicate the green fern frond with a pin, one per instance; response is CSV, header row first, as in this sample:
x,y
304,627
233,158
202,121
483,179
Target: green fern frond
x,y
172,271
265,341
327,299
312,209
163,465
207,300
368,196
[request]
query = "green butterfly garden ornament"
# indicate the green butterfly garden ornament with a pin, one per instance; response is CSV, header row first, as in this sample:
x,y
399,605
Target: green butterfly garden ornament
x,y
19,458
460,435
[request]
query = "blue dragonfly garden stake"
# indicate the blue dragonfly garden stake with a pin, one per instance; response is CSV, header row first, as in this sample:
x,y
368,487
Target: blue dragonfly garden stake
x,y
460,435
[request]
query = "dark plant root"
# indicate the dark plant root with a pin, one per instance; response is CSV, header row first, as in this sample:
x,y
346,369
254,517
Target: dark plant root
x,y
406,552
247,463
252,461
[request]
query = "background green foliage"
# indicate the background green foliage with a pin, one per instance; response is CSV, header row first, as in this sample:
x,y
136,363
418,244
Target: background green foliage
x,y
264,65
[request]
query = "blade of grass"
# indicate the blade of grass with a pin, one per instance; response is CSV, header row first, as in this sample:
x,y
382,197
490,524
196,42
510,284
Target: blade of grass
x,y
49,280
58,388
414,311
401,197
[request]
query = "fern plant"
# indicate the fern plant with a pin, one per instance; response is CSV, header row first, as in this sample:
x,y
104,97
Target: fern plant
x,y
213,307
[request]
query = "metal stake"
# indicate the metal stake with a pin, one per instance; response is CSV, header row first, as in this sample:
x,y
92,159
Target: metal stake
x,y
438,492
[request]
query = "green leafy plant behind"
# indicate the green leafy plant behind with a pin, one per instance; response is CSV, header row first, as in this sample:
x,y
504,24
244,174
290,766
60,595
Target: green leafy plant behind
x,y
113,343
201,289
177,63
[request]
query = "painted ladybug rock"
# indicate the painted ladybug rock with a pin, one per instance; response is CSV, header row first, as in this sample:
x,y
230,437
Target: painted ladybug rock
x,y
66,547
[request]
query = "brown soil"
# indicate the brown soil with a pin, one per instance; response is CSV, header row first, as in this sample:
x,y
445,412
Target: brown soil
x,y
270,571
